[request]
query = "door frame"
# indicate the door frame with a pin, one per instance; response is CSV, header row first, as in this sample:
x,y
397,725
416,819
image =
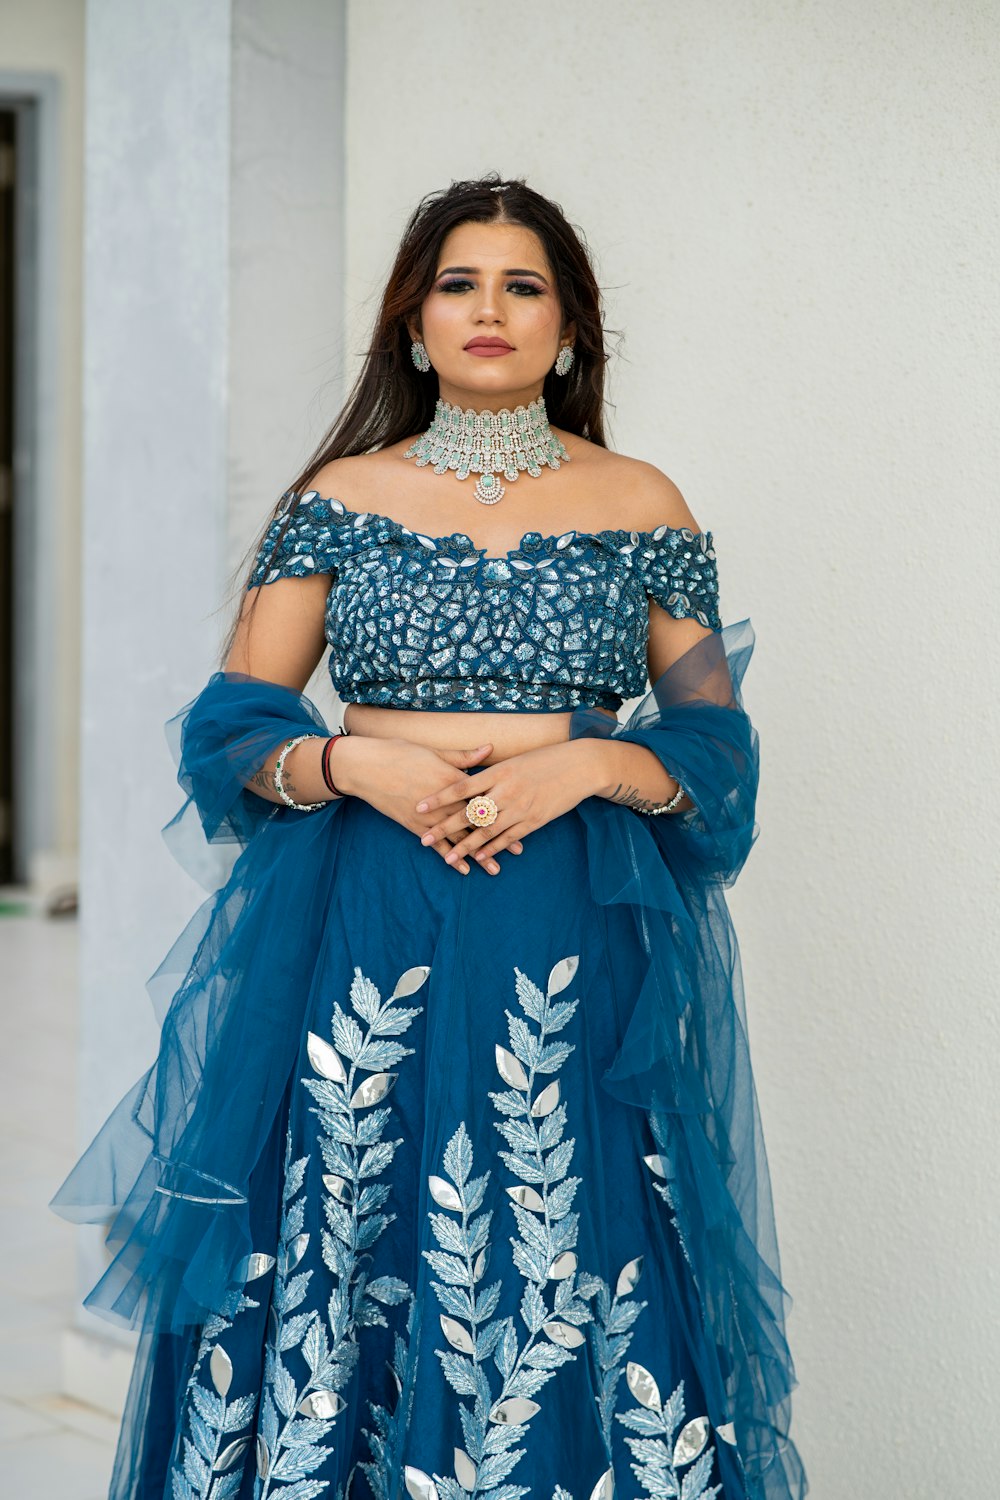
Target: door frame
x,y
36,99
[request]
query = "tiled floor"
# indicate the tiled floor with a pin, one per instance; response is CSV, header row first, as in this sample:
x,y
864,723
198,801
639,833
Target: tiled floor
x,y
50,1448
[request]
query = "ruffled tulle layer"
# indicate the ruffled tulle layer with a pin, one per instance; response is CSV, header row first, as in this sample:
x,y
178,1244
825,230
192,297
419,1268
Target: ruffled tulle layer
x,y
442,1185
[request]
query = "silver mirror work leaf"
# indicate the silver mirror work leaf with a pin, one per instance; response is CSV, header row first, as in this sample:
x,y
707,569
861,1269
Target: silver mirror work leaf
x,y
564,1334
465,1470
373,1089
727,1432
257,1265
420,1486
642,1385
457,1334
295,1252
338,1187
221,1369
562,974
690,1441
229,1456
513,1411
510,1069
409,982
443,1193
480,1263
263,1458
528,1198
656,1164
547,1099
604,1489
321,1404
325,1059
628,1277
564,1265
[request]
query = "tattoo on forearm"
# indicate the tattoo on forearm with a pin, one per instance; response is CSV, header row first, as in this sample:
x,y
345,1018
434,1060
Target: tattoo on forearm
x,y
262,778
628,796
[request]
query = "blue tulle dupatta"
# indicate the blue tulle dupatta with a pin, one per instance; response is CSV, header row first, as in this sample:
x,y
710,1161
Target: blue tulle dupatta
x,y
171,1167
685,1056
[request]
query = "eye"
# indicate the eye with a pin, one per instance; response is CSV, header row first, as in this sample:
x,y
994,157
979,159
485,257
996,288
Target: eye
x,y
523,287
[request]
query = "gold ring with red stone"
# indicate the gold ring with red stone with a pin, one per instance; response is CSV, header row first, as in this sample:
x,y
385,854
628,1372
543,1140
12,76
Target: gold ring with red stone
x,y
481,811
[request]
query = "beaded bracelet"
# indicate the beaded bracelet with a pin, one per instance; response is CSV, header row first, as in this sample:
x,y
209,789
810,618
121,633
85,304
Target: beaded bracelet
x,y
665,807
279,768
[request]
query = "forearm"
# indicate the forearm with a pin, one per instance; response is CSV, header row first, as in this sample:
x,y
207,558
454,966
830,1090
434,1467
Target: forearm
x,y
302,772
630,774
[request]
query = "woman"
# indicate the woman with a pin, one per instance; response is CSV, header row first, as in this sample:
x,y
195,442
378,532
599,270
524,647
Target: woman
x,y
448,1179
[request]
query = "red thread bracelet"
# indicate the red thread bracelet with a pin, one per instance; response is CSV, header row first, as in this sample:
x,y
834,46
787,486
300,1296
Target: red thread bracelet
x,y
325,764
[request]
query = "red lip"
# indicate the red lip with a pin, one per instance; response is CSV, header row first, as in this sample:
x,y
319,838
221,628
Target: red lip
x,y
488,344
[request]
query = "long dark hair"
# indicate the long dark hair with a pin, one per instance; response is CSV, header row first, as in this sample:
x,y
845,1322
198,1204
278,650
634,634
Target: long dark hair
x,y
391,399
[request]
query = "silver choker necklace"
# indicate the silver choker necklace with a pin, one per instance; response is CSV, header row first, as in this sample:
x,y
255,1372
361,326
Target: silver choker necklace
x,y
489,443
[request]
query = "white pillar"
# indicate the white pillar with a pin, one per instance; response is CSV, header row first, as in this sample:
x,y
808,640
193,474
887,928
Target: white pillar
x,y
212,314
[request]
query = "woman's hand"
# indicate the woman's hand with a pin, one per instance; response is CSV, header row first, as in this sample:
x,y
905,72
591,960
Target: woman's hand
x,y
529,789
384,771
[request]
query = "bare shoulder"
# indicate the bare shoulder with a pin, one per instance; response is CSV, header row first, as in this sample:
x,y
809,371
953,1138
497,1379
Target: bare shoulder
x,y
350,474
649,498
637,494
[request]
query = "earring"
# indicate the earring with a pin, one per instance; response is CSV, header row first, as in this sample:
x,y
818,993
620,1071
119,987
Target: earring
x,y
420,356
564,362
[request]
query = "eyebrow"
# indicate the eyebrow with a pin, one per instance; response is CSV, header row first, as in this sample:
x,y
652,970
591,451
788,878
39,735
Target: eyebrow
x,y
510,271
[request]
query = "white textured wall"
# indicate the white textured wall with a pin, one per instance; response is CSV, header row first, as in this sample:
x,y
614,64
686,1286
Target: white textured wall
x,y
795,216
212,255
286,247
155,370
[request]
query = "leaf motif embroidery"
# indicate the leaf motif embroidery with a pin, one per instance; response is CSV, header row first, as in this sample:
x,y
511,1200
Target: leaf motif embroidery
x,y
532,1122
209,1460
666,1443
298,1415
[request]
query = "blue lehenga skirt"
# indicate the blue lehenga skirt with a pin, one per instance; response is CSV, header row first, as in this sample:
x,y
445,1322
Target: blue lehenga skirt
x,y
449,1186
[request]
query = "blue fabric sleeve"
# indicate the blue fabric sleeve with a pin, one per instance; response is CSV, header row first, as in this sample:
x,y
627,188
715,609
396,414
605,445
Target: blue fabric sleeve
x,y
678,569
303,537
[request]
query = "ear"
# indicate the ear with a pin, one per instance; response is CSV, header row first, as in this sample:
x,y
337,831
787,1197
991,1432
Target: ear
x,y
569,334
413,329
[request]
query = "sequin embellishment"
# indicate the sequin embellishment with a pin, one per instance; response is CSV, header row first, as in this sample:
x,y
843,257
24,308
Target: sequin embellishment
x,y
417,621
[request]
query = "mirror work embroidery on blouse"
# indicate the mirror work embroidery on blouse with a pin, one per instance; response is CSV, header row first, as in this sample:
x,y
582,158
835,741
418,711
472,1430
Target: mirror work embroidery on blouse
x,y
415,621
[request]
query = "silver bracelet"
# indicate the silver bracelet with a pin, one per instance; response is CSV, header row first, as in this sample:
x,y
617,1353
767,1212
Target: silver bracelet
x,y
279,767
664,807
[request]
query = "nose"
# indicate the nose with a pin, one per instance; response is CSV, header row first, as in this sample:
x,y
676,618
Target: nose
x,y
487,305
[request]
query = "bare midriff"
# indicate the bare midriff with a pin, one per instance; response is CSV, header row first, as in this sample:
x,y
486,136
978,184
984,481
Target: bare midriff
x,y
508,733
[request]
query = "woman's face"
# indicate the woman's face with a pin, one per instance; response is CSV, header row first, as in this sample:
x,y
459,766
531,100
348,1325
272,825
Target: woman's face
x,y
493,281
